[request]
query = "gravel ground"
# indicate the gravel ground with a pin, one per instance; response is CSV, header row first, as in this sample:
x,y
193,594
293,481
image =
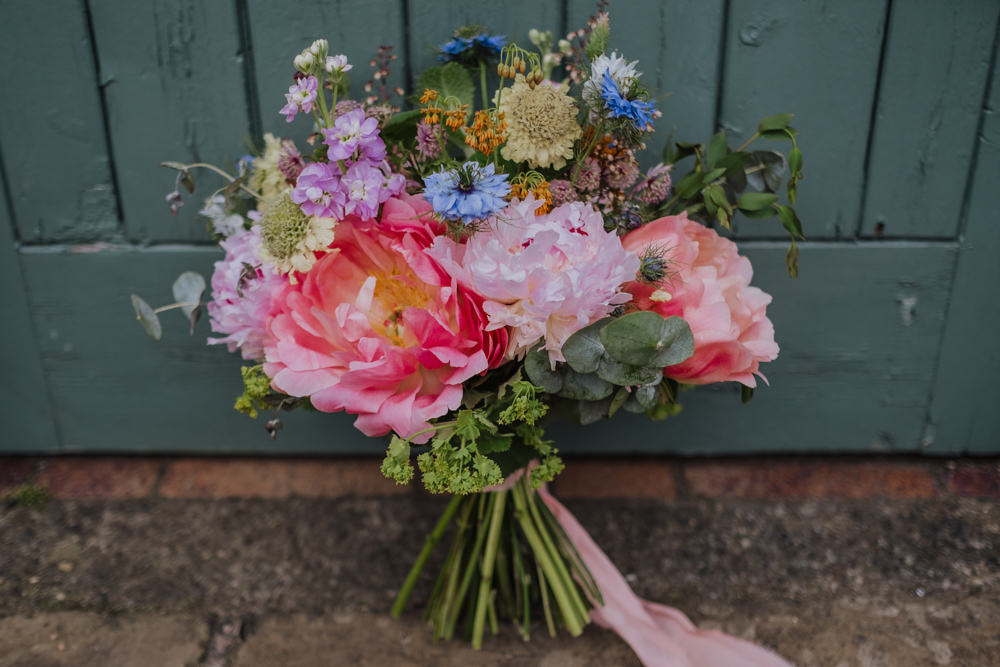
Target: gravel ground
x,y
309,582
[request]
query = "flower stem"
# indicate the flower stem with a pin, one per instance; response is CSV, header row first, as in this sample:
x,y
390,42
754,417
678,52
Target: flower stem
x,y
489,559
470,569
482,83
418,566
452,567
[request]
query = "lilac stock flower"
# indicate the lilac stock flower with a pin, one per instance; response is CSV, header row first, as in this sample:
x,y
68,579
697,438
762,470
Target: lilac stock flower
x,y
337,64
363,184
319,192
471,193
353,132
300,95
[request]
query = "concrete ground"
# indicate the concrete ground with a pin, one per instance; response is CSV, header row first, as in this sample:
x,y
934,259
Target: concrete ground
x,y
309,581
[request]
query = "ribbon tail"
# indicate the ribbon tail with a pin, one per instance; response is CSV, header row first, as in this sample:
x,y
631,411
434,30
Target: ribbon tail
x,y
661,636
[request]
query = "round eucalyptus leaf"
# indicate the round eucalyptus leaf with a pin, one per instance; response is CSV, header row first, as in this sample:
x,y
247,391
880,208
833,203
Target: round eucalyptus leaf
x,y
188,289
583,350
625,375
585,387
539,370
645,338
147,317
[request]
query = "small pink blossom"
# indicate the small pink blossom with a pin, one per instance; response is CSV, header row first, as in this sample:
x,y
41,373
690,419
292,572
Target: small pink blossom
x,y
710,288
300,95
545,277
241,295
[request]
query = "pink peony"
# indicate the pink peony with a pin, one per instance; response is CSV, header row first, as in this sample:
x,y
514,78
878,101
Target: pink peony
x,y
544,276
709,286
378,329
241,295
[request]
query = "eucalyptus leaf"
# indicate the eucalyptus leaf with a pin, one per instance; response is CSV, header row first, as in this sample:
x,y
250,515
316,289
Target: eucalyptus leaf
x,y
625,375
641,399
584,386
188,289
776,122
583,350
593,411
147,317
645,338
539,370
450,80
618,400
765,170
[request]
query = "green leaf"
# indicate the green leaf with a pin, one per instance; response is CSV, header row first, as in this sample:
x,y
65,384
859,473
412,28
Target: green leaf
x,y
779,135
762,214
587,387
450,80
187,180
792,259
756,201
539,370
689,185
714,174
625,375
746,394
401,126
583,350
765,170
593,411
776,122
641,399
684,149
618,400
147,318
488,443
717,149
187,290
790,221
795,161
645,338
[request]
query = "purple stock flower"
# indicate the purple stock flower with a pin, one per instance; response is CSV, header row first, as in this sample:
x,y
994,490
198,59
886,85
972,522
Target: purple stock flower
x,y
363,185
319,192
300,95
354,132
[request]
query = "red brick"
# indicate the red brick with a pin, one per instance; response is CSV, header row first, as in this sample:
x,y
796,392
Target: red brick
x,y
809,479
275,478
15,471
615,478
979,481
99,477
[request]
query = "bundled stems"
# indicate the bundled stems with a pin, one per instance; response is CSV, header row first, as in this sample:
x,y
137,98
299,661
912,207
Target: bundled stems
x,y
523,558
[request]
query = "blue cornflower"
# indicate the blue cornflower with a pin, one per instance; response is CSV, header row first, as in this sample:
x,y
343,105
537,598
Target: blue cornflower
x,y
638,111
471,192
470,48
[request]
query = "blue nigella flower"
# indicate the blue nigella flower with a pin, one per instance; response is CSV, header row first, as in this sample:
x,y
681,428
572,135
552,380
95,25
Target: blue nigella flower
x,y
469,48
471,192
638,111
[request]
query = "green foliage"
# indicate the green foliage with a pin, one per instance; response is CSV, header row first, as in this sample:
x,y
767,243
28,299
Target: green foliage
x,y
396,465
28,495
450,81
723,181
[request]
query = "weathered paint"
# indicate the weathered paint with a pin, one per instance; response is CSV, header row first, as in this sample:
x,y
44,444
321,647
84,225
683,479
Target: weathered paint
x,y
964,415
28,423
681,73
174,89
356,28
820,61
935,68
51,124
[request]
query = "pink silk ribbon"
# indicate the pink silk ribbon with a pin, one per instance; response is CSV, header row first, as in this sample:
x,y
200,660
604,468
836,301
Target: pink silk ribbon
x,y
661,636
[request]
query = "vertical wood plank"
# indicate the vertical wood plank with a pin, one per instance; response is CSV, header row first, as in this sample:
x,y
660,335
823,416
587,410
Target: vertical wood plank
x,y
936,67
819,60
28,424
963,416
53,129
355,28
677,46
175,91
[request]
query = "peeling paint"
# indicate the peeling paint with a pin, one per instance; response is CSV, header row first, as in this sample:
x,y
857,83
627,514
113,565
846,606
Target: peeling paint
x,y
753,32
907,308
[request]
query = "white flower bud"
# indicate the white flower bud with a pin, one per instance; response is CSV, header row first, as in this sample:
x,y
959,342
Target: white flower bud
x,y
565,46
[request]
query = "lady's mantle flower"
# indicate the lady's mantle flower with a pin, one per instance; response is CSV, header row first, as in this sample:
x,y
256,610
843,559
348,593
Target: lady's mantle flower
x,y
290,239
541,124
300,95
639,112
469,193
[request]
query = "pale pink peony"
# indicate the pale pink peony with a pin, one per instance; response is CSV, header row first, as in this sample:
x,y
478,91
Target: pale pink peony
x,y
709,286
543,276
241,295
377,328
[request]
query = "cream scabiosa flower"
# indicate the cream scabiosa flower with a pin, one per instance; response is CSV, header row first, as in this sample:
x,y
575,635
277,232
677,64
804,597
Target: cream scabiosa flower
x,y
541,124
289,238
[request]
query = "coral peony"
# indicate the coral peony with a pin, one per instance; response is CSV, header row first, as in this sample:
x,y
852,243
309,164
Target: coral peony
x,y
544,276
241,295
708,284
377,328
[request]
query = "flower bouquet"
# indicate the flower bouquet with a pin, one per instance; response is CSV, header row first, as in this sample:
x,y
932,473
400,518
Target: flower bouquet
x,y
457,273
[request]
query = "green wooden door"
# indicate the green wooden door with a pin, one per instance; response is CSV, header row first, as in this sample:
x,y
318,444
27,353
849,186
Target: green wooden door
x,y
886,337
